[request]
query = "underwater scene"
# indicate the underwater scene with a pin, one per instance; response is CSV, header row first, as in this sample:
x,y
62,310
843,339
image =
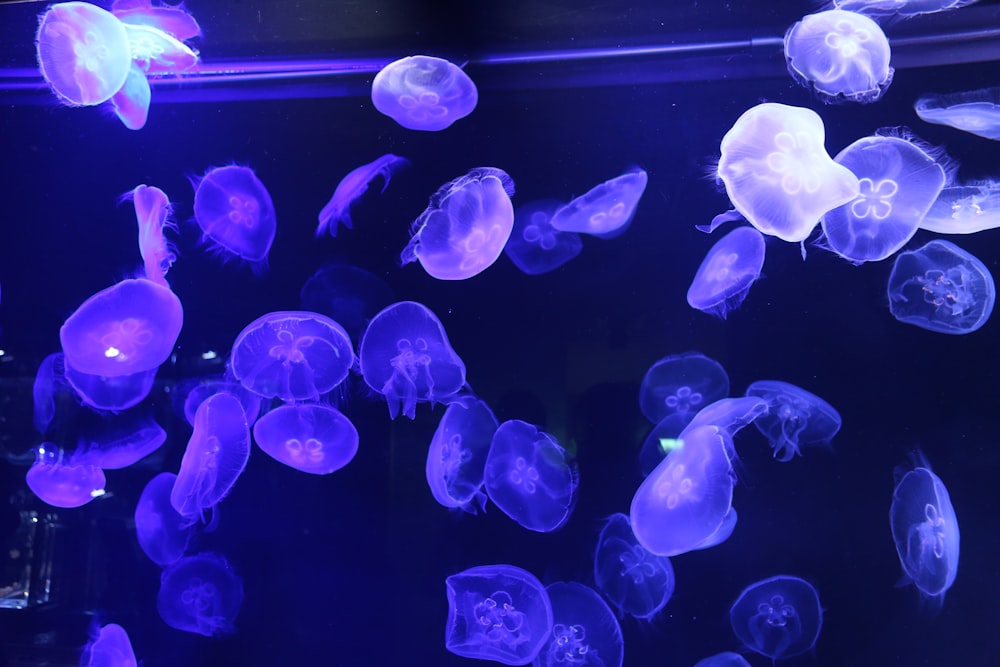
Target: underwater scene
x,y
577,332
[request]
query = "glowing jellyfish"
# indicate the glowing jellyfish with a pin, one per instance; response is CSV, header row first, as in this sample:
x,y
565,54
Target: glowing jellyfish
x,y
584,631
110,393
724,278
125,441
152,213
124,329
194,392
779,618
338,210
82,52
535,246
456,457
405,356
497,612
348,294
173,20
901,8
200,594
842,56
465,227
967,208
110,648
681,383
605,210
316,439
131,102
529,477
794,419
292,355
777,173
940,287
730,414
637,582
684,502
925,530
163,534
724,659
46,387
976,111
424,93
235,213
157,52
62,482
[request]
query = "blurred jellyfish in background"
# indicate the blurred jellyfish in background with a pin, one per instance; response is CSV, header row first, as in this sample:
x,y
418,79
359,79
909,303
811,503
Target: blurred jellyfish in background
x,y
661,440
900,8
200,594
584,630
965,208
118,443
605,210
683,384
940,287
338,210
347,294
725,659
730,267
316,439
465,226
424,93
779,618
194,391
925,530
497,612
62,482
840,55
110,647
110,393
975,111
899,181
794,419
778,174
637,582
49,385
535,246
163,534
235,213
405,356
457,454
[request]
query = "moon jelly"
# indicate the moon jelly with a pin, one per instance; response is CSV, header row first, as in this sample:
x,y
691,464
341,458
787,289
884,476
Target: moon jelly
x,y
163,534
777,173
110,648
584,631
405,356
730,414
200,594
465,227
82,52
294,355
348,294
940,287
194,392
125,441
235,213
497,612
124,329
63,482
724,659
457,454
157,52
316,439
115,393
637,582
152,212
965,209
724,278
903,8
925,530
605,210
338,210
535,246
794,418
976,111
842,56
170,19
131,102
778,617
681,383
424,93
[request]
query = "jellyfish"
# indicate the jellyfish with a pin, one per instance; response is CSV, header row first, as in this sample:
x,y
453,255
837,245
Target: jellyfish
x,y
338,210
940,287
214,458
681,383
900,8
965,208
529,477
535,246
173,20
155,51
110,393
424,93
925,530
497,612
193,393
292,355
637,582
235,213
731,414
62,482
779,618
46,387
605,210
465,227
131,102
724,278
584,630
200,594
975,111
840,55
163,534
348,294
152,212
121,443
316,439
405,356
777,173
110,648
794,418
457,455
724,659
83,53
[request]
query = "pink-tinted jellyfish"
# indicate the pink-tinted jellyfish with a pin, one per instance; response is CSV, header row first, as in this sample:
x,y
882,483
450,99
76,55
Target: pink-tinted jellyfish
x,y
110,393
157,52
83,52
842,56
122,442
194,392
171,19
235,212
424,93
975,111
457,454
62,482
316,439
152,213
465,227
777,172
605,210
535,246
127,328
131,102
338,210
201,594
730,267
163,534
110,648
293,355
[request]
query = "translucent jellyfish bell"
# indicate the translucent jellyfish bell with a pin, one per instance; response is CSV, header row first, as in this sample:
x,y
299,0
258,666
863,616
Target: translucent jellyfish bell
x,y
780,617
975,111
235,212
777,172
424,93
728,271
606,210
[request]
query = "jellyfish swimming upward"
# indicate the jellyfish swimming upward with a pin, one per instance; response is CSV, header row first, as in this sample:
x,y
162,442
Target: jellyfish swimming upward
x,y
424,93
